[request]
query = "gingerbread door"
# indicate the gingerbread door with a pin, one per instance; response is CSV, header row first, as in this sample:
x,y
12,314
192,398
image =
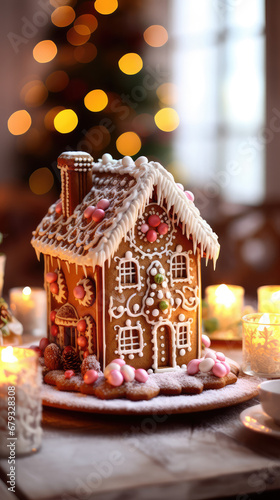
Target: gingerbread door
x,y
164,346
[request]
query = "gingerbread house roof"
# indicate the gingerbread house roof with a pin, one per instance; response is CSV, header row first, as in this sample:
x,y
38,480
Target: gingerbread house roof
x,y
129,186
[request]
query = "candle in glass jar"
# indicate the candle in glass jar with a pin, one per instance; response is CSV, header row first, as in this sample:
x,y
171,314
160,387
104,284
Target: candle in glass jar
x,y
29,306
20,401
269,299
261,344
225,303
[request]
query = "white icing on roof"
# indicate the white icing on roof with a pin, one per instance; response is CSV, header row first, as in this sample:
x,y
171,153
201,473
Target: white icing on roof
x,y
129,186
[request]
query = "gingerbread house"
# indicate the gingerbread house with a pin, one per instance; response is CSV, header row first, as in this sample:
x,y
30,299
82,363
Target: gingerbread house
x,y
122,250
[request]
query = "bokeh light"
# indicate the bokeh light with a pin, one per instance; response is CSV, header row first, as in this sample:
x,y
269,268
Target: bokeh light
x,y
65,121
41,181
63,16
85,24
106,7
45,51
167,93
34,93
57,81
128,144
19,122
155,35
167,119
96,100
85,53
130,63
50,116
75,38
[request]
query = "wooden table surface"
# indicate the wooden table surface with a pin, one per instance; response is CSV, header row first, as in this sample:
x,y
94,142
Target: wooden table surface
x,y
192,456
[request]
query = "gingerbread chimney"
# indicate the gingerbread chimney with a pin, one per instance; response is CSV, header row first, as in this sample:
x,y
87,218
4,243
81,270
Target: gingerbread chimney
x,y
76,178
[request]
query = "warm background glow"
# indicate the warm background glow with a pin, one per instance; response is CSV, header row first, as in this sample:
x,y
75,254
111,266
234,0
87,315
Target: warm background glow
x,y
155,35
63,16
66,121
44,51
41,181
106,7
19,122
96,100
131,63
128,144
167,119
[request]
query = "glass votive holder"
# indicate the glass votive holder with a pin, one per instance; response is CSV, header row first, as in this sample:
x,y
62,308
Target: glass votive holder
x,y
269,299
29,306
225,305
20,402
261,344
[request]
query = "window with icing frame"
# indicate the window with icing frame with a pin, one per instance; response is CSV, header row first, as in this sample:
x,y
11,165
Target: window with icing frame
x,y
129,274
183,334
180,268
130,340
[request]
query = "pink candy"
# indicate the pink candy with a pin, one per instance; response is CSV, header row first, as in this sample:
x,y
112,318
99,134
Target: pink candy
x,y
119,361
206,365
144,228
81,325
189,195
88,212
98,215
104,203
54,330
193,367
128,373
51,277
211,354
79,292
226,365
141,375
163,228
220,356
54,288
151,236
154,220
115,378
111,366
58,208
219,370
205,340
90,376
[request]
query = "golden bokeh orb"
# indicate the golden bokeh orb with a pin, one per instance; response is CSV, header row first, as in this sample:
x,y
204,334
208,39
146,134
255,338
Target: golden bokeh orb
x,y
128,144
106,7
63,16
65,121
96,100
19,122
45,51
167,119
130,63
156,35
41,181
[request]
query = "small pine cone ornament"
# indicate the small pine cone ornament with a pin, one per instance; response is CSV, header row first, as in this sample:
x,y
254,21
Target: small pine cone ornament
x,y
70,359
90,363
52,357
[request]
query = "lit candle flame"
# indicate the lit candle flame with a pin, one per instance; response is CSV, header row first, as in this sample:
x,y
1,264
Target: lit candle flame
x,y
7,355
224,296
26,290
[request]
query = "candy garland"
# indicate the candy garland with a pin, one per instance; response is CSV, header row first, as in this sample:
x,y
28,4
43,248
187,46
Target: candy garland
x,y
87,336
57,285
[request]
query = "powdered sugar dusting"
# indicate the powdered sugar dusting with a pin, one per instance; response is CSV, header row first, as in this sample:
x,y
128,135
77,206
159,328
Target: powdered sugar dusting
x,y
244,389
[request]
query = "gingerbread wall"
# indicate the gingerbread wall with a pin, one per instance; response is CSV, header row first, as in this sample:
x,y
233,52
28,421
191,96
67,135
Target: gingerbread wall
x,y
136,327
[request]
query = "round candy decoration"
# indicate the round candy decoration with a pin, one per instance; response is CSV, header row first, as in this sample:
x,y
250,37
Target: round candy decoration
x,y
220,356
158,278
58,208
141,375
115,378
98,215
81,325
103,204
52,316
43,343
205,340
219,370
206,365
86,354
180,186
89,211
154,220
69,373
79,292
90,376
151,236
54,330
51,277
82,342
144,228
211,354
54,288
163,228
110,367
226,365
189,195
119,361
163,305
128,373
193,367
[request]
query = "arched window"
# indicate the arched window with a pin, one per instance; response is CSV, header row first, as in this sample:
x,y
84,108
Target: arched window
x,y
129,274
184,334
180,267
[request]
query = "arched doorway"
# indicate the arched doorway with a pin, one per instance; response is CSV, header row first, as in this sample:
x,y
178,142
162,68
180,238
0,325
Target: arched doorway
x,y
164,346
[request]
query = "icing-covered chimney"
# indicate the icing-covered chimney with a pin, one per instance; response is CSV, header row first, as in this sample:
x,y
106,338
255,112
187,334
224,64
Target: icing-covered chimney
x,y
76,178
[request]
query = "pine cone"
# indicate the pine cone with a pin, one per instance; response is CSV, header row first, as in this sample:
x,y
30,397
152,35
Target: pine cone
x,y
90,363
70,359
52,357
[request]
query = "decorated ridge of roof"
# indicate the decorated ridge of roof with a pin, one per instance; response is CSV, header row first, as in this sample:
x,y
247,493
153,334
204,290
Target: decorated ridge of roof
x,y
128,185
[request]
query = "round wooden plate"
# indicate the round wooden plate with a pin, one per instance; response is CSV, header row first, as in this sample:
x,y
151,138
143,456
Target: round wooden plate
x,y
244,389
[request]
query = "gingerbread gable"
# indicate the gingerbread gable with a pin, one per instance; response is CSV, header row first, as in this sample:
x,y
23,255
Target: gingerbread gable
x,y
129,186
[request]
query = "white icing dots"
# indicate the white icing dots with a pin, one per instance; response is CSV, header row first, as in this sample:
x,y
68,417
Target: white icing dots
x,y
181,317
164,284
161,345
182,352
128,322
127,160
161,270
152,294
168,295
106,158
160,294
153,286
120,309
131,356
128,255
153,271
149,301
162,359
136,308
155,312
179,248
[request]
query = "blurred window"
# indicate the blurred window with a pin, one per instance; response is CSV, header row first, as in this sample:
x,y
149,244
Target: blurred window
x,y
219,69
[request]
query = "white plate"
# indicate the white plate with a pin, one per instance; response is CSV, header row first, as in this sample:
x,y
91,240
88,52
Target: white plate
x,y
257,420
